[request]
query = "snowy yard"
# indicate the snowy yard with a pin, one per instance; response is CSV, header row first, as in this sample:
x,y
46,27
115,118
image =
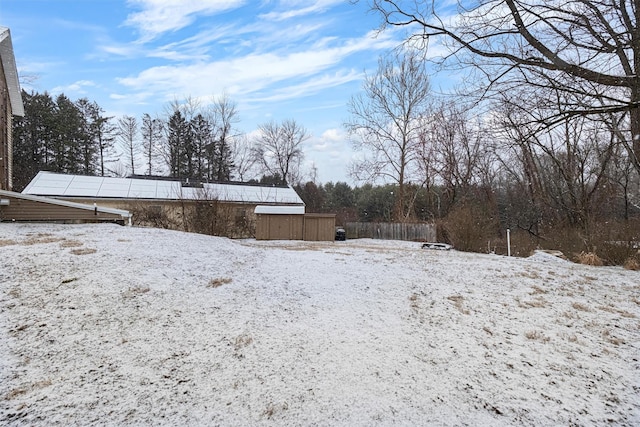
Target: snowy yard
x,y
101,324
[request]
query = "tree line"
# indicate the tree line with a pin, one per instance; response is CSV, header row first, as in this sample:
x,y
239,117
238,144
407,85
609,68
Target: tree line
x,y
189,142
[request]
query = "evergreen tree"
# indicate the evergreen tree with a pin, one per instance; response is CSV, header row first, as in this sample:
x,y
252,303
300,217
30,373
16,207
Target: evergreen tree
x,y
202,143
105,132
31,136
68,137
177,142
90,142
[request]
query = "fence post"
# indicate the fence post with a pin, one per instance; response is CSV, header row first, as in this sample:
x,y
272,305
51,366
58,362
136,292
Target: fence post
x,y
508,242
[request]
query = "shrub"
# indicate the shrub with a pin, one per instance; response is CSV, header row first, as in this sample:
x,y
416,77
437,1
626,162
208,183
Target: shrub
x,y
632,264
468,228
151,216
589,258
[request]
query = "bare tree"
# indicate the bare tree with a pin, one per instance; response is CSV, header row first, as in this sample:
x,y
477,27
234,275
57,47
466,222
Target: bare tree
x,y
224,115
587,49
279,150
386,122
151,130
561,170
128,137
459,149
243,156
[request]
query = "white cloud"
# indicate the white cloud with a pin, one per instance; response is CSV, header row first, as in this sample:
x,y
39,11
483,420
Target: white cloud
x,y
294,10
160,16
77,88
253,73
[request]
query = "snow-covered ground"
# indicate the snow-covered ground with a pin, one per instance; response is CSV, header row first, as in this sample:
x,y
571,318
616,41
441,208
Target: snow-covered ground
x,y
101,324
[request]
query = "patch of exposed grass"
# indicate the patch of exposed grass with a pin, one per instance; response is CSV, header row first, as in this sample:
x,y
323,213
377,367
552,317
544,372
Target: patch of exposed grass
x,y
15,393
70,243
23,390
216,283
414,301
538,302
530,274
537,290
7,242
240,343
272,409
42,238
457,301
606,335
580,306
84,251
626,314
537,336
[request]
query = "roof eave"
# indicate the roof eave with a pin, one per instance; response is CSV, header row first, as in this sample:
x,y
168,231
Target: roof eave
x,y
11,72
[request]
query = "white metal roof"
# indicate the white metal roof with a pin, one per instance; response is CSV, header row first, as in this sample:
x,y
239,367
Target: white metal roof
x,y
280,210
98,187
10,72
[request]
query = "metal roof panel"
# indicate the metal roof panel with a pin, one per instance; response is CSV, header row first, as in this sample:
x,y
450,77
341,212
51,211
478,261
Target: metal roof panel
x,y
54,184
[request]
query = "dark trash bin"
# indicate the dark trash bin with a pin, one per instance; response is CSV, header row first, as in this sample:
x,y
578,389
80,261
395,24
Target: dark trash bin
x,y
341,234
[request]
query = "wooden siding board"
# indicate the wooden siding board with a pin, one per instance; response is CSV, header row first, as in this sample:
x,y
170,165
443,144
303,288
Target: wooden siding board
x,y
20,209
279,227
319,227
393,231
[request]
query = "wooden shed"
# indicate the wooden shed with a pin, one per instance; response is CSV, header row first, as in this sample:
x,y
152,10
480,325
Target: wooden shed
x,y
279,222
319,227
291,223
24,207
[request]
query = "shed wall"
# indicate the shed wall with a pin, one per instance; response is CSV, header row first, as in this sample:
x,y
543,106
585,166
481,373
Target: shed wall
x,y
319,227
279,227
28,210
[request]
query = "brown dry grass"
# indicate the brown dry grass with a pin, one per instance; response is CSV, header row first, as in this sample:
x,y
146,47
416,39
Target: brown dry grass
x,y
537,290
7,242
85,251
537,335
42,238
580,306
606,335
216,283
70,243
414,301
629,264
457,302
538,302
589,258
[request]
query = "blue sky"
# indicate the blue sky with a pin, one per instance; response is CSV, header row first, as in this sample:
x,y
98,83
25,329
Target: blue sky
x,y
278,59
